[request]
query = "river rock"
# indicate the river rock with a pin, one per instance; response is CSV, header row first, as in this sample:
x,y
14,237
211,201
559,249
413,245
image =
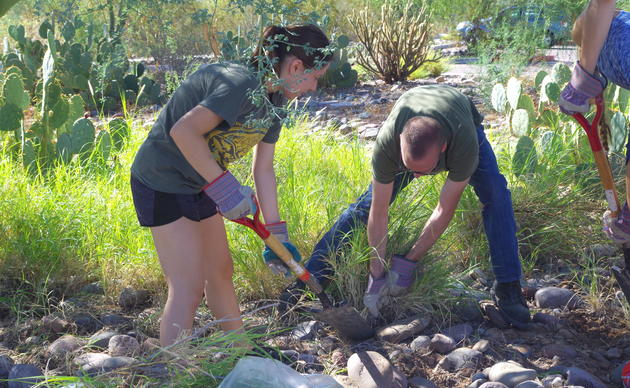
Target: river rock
x,y
577,376
403,329
114,320
86,324
510,373
305,331
63,346
55,325
552,381
461,358
130,298
482,345
420,343
101,339
106,364
93,288
613,353
88,359
6,363
29,372
442,343
493,384
370,370
556,297
530,384
123,345
399,380
549,320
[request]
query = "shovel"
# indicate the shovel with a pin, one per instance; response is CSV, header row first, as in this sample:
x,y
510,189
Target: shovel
x,y
345,319
622,275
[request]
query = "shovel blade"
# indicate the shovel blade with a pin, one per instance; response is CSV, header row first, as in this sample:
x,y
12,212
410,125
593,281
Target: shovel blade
x,y
347,321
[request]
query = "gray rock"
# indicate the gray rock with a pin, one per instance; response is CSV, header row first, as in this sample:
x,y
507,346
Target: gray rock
x,y
613,353
479,376
458,332
420,343
566,352
555,297
101,339
482,345
30,373
64,346
421,382
130,298
493,384
368,131
55,325
399,380
114,320
442,343
461,358
123,345
370,370
305,331
6,363
552,381
93,288
107,365
477,383
529,384
601,250
345,381
86,324
87,359
510,373
150,345
403,329
577,376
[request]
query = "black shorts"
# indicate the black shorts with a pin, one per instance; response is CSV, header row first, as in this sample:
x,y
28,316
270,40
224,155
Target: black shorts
x,y
155,208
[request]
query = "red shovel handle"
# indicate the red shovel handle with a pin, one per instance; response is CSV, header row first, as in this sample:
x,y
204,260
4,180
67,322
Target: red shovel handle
x,y
279,249
603,167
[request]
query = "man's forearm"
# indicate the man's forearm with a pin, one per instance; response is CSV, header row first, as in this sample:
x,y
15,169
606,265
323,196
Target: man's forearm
x,y
377,239
267,193
433,229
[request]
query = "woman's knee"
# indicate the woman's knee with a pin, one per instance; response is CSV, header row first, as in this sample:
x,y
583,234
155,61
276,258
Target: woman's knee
x,y
186,293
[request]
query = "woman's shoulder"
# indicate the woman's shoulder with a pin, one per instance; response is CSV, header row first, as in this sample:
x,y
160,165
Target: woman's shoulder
x,y
235,73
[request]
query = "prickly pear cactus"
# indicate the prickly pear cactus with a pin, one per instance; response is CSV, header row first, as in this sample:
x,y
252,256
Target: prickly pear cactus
x,y
520,122
548,142
514,89
619,132
82,136
540,77
11,117
560,73
499,98
525,159
526,102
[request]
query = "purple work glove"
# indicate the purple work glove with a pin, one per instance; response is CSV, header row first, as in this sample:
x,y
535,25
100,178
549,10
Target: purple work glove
x,y
618,229
582,87
233,200
401,275
374,296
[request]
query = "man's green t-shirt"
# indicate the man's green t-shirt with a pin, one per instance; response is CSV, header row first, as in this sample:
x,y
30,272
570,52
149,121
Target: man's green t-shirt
x,y
458,118
225,89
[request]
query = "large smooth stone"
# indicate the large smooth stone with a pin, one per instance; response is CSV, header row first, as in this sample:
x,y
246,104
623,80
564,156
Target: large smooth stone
x,y
510,374
577,376
370,370
556,297
403,329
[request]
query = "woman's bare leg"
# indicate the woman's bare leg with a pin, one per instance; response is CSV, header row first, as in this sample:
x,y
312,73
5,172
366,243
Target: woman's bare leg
x,y
189,252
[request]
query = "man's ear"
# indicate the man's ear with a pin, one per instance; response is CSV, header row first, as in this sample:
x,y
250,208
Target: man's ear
x,y
443,147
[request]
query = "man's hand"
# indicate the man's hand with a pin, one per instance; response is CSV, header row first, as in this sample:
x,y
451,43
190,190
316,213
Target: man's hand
x,y
582,87
233,200
618,229
374,296
275,264
401,275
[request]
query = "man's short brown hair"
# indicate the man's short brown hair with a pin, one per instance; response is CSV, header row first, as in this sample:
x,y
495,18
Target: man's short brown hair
x,y
422,133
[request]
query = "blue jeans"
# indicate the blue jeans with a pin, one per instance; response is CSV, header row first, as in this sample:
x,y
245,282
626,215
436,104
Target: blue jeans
x,y
498,219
